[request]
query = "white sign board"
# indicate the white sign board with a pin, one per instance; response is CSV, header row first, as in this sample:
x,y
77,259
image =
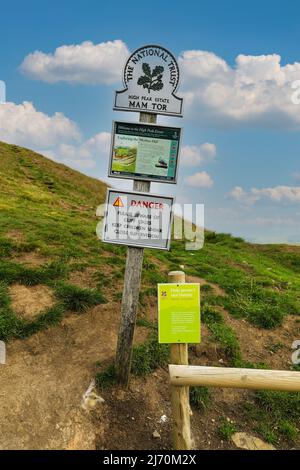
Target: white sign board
x,y
138,219
151,78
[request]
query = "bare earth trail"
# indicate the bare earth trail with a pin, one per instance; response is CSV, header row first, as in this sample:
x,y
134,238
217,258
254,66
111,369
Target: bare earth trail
x,y
42,384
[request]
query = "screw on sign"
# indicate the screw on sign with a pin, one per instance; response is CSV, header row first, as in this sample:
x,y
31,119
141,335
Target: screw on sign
x,y
150,77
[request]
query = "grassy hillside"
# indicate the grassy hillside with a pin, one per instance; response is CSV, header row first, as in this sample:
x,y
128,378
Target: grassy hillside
x,y
47,238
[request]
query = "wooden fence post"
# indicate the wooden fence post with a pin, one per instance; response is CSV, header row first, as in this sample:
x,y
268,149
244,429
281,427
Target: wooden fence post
x,y
131,290
180,400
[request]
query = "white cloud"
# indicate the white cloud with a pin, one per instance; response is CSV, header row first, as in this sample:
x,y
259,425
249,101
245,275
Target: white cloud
x,y
257,90
82,63
240,195
237,193
277,194
22,124
83,155
192,155
200,179
56,137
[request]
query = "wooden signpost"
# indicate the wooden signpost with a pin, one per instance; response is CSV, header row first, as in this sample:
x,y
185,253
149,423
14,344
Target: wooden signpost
x,y
151,77
131,290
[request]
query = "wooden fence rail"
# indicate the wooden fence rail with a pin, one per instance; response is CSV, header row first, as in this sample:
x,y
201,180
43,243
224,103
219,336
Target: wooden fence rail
x,y
184,376
257,379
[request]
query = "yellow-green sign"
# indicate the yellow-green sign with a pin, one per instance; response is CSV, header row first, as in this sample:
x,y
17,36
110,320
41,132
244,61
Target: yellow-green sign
x,y
179,313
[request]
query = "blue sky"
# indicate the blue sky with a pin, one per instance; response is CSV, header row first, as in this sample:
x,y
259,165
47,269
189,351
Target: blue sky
x,y
249,176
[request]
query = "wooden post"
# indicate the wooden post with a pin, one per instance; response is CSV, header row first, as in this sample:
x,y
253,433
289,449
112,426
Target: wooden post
x,y
131,290
180,400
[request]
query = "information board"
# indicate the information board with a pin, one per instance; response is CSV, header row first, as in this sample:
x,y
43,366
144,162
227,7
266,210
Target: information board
x,y
179,313
144,151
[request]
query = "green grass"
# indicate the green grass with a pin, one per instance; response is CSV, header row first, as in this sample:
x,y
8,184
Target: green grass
x,y
144,322
146,358
106,378
12,325
149,356
12,272
226,429
261,282
275,415
222,333
50,317
200,398
78,299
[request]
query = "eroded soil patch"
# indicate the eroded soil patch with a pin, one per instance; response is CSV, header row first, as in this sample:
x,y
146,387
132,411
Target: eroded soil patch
x,y
29,301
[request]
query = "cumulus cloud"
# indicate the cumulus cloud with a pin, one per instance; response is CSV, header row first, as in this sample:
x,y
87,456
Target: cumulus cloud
x,y
257,90
78,63
201,179
55,136
22,124
193,155
83,155
240,195
277,194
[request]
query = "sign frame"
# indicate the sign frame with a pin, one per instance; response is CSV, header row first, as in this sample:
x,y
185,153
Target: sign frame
x,y
118,93
177,284
143,177
125,242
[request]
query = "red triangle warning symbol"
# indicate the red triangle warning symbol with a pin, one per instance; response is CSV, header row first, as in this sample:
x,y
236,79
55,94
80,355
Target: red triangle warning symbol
x,y
118,202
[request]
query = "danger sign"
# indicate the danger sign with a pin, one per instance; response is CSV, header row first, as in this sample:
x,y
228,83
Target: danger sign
x,y
118,202
138,219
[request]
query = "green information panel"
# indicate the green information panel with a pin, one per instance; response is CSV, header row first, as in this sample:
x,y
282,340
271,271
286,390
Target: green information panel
x,y
179,313
144,151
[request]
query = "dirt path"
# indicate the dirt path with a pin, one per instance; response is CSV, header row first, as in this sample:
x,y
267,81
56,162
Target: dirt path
x,y
42,383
